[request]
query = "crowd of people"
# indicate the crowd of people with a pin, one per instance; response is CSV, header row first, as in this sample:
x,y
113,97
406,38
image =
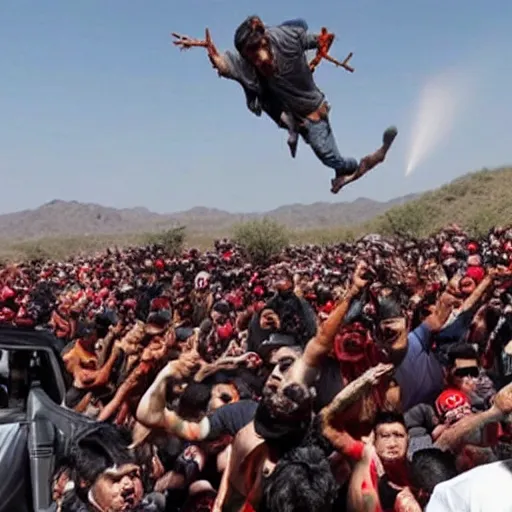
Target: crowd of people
x,y
367,376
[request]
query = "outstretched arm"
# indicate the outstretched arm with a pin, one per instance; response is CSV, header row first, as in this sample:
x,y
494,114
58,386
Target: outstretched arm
x,y
218,60
319,347
484,286
354,391
249,359
322,42
453,435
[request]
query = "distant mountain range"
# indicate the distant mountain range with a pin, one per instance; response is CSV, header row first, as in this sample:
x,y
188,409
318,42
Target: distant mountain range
x,y
71,218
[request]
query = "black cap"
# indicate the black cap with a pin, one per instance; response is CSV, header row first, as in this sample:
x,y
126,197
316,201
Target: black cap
x,y
276,340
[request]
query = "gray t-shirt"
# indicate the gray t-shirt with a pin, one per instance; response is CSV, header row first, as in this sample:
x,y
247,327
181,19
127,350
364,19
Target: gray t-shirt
x,y
292,85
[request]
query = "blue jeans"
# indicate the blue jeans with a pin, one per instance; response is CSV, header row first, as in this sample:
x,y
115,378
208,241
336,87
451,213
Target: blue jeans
x,y
319,135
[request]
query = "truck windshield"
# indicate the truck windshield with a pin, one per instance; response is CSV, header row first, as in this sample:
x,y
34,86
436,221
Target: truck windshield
x,y
19,369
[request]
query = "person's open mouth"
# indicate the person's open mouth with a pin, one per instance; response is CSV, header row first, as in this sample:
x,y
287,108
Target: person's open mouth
x,y
129,499
272,387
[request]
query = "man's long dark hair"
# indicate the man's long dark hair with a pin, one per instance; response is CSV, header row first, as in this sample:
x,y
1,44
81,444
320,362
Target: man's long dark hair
x,y
249,33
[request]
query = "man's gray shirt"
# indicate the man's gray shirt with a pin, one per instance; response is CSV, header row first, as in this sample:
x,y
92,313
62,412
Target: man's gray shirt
x,y
292,85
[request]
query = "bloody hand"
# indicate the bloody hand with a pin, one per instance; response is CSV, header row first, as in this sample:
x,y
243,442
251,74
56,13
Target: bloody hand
x,y
185,42
325,40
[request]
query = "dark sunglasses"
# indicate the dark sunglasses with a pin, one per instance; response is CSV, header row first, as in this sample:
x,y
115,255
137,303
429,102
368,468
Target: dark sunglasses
x,y
470,371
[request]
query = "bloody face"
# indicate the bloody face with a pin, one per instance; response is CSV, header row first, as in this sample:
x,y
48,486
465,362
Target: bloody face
x,y
350,343
259,54
118,489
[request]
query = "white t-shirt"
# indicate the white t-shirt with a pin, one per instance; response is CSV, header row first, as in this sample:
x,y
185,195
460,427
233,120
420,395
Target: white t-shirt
x,y
485,488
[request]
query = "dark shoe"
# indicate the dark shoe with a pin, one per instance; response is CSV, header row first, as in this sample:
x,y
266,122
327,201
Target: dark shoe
x,y
293,142
389,137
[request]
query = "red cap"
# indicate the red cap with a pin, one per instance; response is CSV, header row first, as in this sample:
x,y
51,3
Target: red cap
x,y
103,293
472,247
160,303
130,303
225,332
259,291
475,273
327,307
450,399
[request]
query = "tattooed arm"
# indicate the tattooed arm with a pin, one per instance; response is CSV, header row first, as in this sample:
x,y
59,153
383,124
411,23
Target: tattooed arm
x,y
355,390
250,359
453,435
350,394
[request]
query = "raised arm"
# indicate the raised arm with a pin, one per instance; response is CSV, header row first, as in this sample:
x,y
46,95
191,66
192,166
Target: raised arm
x,y
224,485
350,394
484,286
353,391
322,42
218,60
152,411
249,359
306,368
453,435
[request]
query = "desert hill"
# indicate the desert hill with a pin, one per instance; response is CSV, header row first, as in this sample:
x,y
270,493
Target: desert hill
x,y
57,229
71,218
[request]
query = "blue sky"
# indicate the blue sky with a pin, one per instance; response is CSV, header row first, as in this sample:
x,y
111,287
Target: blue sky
x,y
97,106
